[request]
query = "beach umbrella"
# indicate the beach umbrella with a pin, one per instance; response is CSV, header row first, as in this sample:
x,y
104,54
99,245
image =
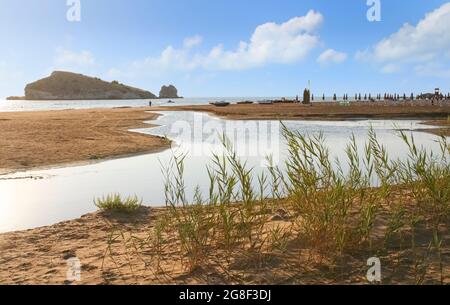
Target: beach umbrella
x,y
306,97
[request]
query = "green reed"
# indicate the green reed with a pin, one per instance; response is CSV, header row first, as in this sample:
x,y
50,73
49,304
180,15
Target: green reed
x,y
330,210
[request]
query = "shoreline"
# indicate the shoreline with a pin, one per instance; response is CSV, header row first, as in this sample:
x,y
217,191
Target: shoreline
x,y
74,164
59,138
21,157
17,130
443,127
318,111
437,116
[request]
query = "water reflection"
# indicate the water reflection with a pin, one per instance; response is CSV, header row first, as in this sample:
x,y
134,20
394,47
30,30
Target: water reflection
x,y
67,193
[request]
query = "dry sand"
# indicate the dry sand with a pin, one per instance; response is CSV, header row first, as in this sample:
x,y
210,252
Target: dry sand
x,y
47,138
39,256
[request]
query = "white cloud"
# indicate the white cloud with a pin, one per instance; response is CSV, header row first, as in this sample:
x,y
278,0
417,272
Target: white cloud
x,y
432,69
270,43
428,41
331,56
390,68
68,58
113,72
193,41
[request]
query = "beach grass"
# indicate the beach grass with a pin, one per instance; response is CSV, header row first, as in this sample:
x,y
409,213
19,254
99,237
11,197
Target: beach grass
x,y
116,203
395,209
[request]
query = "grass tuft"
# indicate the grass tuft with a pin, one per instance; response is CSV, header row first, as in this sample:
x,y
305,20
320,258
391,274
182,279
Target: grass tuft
x,y
117,204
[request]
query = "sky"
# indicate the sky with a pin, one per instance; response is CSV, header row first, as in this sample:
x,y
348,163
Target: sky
x,y
230,48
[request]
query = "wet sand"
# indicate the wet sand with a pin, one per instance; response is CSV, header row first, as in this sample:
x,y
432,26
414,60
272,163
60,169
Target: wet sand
x,y
443,127
50,138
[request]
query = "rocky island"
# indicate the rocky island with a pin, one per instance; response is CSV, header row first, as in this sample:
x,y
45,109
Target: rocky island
x,y
15,98
72,86
168,92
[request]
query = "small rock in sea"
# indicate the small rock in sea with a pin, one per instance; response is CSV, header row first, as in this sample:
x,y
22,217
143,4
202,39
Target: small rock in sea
x,y
168,92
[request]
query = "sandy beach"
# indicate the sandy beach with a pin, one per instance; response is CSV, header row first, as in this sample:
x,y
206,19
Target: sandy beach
x,y
50,138
432,115
115,248
320,111
54,138
118,249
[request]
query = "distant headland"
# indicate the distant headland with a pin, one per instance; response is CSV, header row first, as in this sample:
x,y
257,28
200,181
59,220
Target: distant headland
x,y
61,85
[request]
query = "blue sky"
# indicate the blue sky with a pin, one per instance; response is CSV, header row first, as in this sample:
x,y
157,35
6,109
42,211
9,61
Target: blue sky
x,y
231,47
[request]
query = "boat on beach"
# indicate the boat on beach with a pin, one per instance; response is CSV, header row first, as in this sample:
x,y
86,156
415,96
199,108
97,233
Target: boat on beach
x,y
220,104
245,103
266,102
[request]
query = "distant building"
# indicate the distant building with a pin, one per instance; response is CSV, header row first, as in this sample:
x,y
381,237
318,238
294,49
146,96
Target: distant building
x,y
437,95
